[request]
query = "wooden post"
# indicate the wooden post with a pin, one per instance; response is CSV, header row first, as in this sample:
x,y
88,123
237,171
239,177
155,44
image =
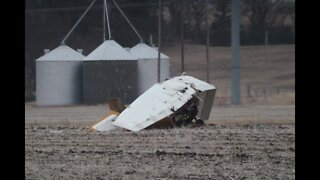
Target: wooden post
x,y
235,44
208,43
182,34
159,38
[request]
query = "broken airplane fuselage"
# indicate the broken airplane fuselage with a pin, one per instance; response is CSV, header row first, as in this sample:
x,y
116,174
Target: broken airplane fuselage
x,y
179,101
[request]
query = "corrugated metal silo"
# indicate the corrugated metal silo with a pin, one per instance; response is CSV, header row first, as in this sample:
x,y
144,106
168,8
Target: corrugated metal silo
x,y
147,66
59,77
109,71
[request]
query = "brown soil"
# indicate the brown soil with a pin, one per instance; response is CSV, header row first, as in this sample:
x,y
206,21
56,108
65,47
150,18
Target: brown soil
x,y
210,152
240,142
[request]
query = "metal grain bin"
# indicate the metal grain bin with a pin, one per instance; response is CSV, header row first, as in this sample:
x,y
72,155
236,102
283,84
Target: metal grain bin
x,y
147,66
59,77
109,71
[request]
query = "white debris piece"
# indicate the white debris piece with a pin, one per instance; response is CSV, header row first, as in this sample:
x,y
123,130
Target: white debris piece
x,y
163,99
106,123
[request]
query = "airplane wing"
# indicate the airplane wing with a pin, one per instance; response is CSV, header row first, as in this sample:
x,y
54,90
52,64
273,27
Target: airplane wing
x,y
162,99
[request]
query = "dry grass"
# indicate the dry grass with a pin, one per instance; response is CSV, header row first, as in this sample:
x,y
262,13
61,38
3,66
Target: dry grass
x,y
261,67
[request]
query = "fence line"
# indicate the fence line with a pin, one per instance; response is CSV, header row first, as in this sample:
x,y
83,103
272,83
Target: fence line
x,y
255,92
249,94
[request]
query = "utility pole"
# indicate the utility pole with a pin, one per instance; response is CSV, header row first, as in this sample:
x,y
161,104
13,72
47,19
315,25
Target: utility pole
x,y
159,38
235,42
182,34
104,20
208,43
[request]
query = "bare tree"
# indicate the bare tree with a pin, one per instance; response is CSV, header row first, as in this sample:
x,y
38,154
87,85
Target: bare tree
x,y
257,11
196,12
222,21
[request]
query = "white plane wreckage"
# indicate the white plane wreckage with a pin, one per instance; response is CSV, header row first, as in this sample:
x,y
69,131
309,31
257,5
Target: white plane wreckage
x,y
176,102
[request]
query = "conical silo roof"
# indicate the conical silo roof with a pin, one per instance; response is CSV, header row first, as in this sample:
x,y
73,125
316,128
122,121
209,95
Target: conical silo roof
x,y
110,50
143,51
62,53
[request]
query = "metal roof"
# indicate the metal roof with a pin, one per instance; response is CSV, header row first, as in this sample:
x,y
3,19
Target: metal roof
x,y
109,50
159,101
62,53
143,51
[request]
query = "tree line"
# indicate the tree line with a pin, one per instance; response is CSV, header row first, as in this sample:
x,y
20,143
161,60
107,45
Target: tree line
x,y
48,21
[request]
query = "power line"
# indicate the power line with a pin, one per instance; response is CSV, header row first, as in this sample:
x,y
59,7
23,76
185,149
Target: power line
x,y
98,7
132,5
